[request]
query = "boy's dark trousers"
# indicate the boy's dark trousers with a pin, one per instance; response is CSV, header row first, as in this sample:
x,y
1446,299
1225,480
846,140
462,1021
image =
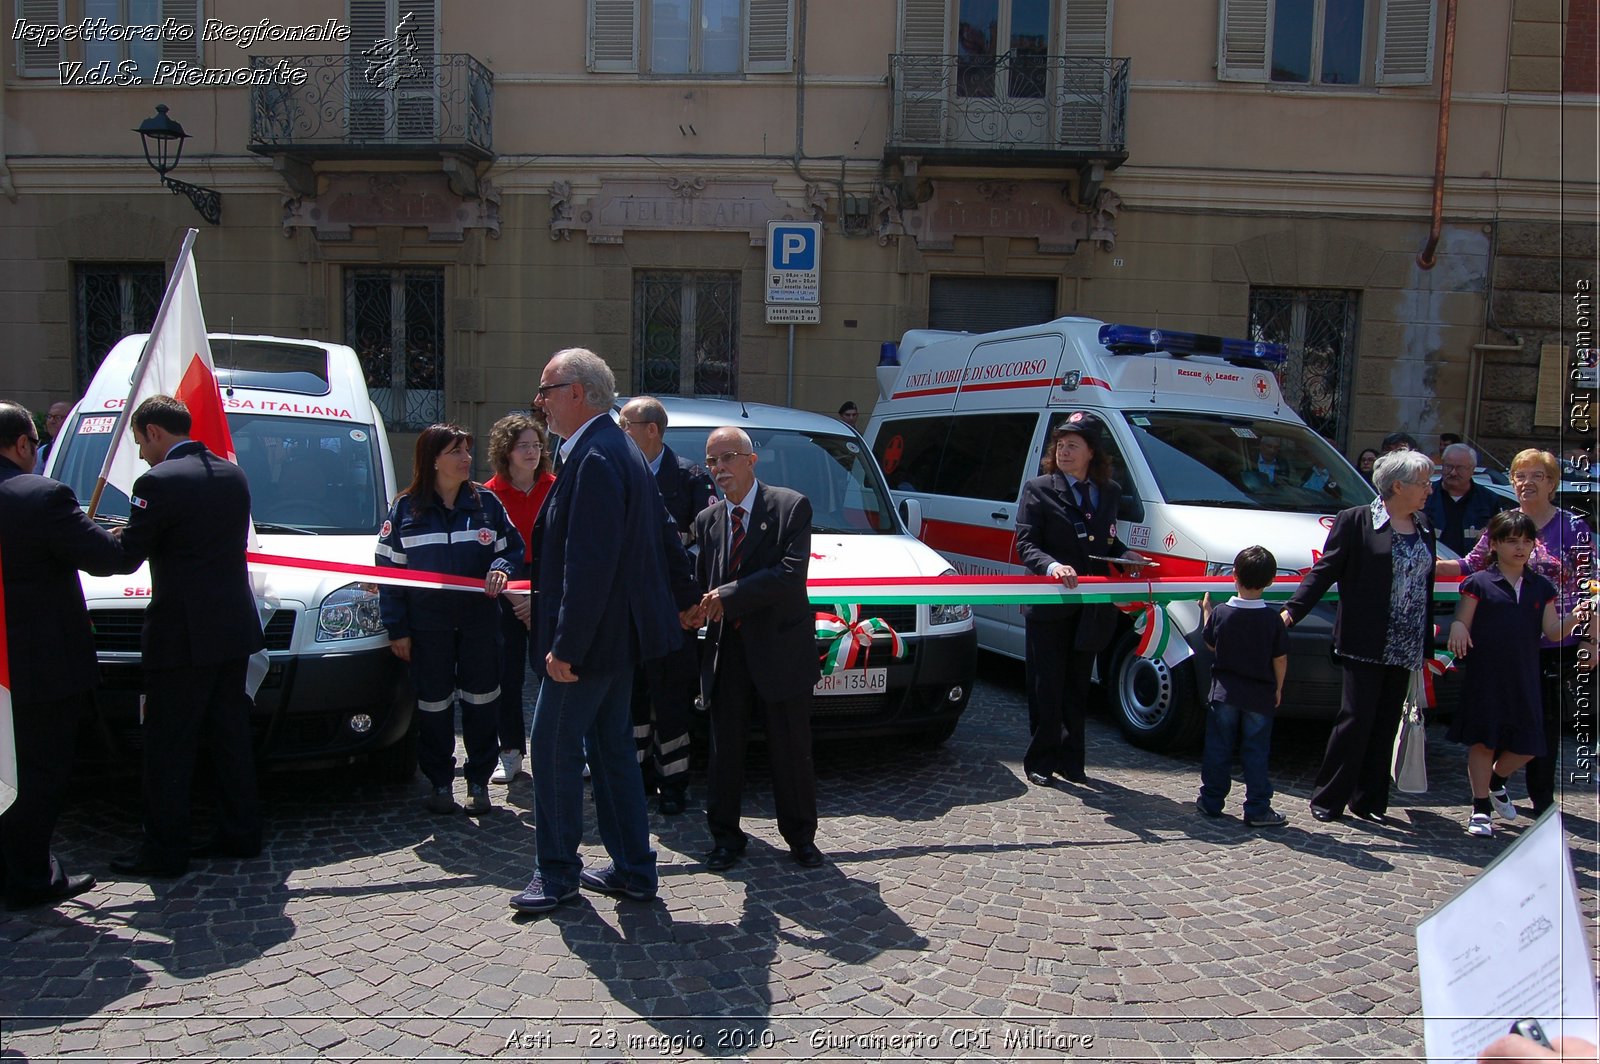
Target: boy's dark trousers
x,y
1228,727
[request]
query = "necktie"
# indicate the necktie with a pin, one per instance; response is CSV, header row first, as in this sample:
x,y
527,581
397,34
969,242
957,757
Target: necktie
x,y
1085,503
735,540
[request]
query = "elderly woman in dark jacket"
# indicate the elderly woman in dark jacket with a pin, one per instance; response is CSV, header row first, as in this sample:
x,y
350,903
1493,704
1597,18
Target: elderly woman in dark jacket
x,y
1381,556
1066,525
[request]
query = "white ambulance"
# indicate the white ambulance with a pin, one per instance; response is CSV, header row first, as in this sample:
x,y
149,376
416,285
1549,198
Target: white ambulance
x,y
856,534
1210,457
321,477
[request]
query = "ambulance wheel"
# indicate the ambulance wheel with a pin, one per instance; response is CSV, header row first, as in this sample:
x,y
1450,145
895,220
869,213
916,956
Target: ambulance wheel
x,y
1155,705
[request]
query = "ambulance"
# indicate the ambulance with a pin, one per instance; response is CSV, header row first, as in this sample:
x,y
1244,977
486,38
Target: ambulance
x,y
857,533
321,476
1210,458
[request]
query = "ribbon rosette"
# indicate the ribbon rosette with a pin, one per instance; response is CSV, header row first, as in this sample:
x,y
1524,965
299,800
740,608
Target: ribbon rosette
x,y
849,636
1440,663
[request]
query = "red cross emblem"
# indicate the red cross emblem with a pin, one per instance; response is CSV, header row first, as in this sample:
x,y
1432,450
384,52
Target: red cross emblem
x,y
485,536
1261,386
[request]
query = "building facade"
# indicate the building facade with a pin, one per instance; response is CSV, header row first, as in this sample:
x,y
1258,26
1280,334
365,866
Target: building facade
x,y
459,189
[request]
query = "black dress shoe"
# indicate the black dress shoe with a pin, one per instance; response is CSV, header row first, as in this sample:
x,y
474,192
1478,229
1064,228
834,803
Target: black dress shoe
x,y
807,856
1326,816
670,803
1075,776
60,890
1371,818
1040,779
136,864
722,858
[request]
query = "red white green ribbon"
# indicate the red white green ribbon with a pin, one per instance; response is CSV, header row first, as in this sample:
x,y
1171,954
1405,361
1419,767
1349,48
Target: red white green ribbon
x,y
1440,663
933,590
849,636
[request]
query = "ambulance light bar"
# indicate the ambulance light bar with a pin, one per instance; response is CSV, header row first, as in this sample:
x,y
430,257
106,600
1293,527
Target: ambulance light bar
x,y
1137,339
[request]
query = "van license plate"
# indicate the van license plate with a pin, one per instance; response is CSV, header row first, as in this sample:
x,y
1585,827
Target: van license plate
x,y
854,682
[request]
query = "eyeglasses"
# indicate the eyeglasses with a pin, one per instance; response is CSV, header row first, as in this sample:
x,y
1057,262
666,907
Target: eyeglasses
x,y
33,440
725,458
545,389
528,448
624,424
1458,467
1536,476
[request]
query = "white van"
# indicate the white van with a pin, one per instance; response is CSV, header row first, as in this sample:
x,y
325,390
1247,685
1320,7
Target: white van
x,y
1210,458
856,533
321,477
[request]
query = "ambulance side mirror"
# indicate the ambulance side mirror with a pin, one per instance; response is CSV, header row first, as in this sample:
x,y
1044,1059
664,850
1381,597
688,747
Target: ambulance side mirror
x,y
911,516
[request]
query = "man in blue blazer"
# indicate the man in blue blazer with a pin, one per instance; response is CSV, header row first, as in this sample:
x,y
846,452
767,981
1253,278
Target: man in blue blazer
x,y
611,574
190,515
45,538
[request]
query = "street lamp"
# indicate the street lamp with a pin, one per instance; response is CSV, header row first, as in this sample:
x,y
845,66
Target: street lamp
x,y
165,133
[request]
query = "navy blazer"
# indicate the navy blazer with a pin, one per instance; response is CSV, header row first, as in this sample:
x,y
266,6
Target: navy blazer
x,y
190,515
1478,505
1356,557
685,488
766,595
1052,528
611,572
45,538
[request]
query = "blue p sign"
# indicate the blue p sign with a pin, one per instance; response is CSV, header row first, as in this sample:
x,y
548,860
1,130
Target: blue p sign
x,y
793,249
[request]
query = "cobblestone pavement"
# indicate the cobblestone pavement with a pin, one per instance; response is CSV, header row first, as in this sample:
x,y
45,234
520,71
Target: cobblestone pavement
x,y
963,914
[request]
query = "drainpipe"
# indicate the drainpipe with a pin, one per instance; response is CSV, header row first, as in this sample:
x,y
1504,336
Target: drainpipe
x,y
1426,259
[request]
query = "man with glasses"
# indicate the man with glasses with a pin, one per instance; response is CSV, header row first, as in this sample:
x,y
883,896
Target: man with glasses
x,y
45,538
664,689
611,577
762,658
1461,508
53,420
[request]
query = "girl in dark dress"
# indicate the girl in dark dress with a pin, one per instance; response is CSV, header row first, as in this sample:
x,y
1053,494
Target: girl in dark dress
x,y
1504,609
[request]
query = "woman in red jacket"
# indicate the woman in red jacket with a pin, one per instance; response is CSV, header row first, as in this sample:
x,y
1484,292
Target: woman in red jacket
x,y
519,451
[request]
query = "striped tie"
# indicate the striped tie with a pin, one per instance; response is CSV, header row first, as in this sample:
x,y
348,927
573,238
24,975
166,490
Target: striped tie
x,y
735,541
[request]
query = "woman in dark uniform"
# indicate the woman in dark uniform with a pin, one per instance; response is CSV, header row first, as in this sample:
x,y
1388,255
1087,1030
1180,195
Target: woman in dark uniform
x,y
1067,518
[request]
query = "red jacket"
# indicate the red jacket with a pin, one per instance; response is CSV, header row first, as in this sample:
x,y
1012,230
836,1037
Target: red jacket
x,y
522,507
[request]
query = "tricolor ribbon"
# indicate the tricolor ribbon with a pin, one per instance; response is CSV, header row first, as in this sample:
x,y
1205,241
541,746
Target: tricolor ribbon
x,y
1440,663
849,636
1154,628
932,590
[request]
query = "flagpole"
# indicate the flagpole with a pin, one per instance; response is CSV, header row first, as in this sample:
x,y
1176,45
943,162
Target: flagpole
x,y
138,370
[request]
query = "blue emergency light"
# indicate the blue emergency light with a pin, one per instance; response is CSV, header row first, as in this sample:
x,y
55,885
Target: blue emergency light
x,y
1137,339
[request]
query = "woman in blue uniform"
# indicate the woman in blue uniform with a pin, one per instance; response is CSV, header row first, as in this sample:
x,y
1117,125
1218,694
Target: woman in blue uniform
x,y
445,523
1066,528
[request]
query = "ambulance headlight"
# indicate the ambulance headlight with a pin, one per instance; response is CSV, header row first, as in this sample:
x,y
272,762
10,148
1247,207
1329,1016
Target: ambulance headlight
x,y
955,613
349,613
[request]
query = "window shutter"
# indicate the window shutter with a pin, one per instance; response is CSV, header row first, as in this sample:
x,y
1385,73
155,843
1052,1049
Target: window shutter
x,y
1405,42
40,60
185,12
768,36
368,25
920,97
416,99
613,35
1243,40
1086,28
922,27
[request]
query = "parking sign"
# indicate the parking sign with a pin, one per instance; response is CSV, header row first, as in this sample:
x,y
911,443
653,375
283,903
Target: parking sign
x,y
794,262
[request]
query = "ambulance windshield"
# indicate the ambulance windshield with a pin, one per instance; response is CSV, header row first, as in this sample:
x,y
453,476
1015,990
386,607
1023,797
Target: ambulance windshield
x,y
832,470
307,475
1207,460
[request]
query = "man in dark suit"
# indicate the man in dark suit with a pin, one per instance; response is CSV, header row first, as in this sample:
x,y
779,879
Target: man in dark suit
x,y
664,689
45,538
190,516
606,600
755,549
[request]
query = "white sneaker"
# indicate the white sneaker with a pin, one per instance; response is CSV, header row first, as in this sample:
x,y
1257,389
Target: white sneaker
x,y
1502,804
1480,825
510,767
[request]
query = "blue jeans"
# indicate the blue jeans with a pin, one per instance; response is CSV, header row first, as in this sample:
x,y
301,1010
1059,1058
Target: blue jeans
x,y
590,714
1226,727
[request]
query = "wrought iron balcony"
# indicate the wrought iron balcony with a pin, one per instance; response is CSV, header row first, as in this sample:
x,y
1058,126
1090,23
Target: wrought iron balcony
x,y
1027,108
352,107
